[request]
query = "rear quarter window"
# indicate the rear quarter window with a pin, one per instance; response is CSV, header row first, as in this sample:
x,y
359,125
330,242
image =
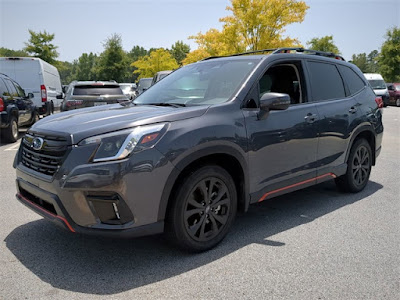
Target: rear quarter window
x,y
3,89
326,82
353,81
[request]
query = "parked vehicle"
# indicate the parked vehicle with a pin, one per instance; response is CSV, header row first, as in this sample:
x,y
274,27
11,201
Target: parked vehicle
x,y
394,93
160,75
37,77
379,86
207,140
16,109
143,84
82,94
129,89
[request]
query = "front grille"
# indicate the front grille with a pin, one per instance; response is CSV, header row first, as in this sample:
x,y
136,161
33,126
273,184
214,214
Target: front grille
x,y
49,158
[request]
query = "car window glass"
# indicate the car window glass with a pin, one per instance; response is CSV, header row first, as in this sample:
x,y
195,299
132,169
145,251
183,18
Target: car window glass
x,y
90,90
3,89
21,92
282,78
11,88
326,82
354,82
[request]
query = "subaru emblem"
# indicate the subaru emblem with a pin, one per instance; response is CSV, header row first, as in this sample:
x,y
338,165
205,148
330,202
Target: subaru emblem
x,y
37,143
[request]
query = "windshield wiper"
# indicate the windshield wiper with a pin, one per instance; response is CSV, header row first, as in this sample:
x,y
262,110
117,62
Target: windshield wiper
x,y
166,104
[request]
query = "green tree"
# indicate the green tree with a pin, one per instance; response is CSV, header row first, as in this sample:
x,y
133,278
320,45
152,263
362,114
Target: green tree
x,y
158,60
253,25
112,61
86,67
4,52
133,55
40,45
360,60
179,51
372,60
67,71
325,44
389,59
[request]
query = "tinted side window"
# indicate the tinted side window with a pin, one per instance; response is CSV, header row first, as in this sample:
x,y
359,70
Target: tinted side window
x,y
354,82
11,88
3,89
326,82
20,90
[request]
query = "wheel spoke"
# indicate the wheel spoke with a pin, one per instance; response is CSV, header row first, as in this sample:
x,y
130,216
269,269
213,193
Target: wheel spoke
x,y
221,192
210,188
220,219
220,203
194,202
214,225
192,212
203,189
202,229
195,228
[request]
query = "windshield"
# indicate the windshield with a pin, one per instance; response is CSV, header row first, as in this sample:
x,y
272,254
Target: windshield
x,y
397,87
378,84
210,82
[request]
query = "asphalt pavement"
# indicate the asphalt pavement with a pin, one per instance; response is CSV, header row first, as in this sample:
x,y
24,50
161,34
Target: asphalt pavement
x,y
315,243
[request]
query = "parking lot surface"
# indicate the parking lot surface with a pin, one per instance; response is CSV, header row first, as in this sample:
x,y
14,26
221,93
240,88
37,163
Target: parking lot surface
x,y
316,243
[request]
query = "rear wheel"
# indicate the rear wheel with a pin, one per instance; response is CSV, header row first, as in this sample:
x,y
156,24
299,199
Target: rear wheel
x,y
11,132
203,209
359,166
35,117
398,102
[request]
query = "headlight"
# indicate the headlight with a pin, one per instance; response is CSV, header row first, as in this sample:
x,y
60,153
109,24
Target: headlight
x,y
118,145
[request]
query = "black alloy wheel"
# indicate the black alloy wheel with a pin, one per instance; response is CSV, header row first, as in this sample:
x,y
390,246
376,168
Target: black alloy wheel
x,y
203,209
359,166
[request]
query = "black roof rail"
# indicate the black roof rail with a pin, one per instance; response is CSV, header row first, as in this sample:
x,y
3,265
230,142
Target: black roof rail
x,y
285,50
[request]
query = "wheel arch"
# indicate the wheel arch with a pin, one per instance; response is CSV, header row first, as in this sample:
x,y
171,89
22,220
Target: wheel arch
x,y
366,132
228,158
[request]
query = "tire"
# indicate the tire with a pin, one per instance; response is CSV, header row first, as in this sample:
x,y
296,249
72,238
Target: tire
x,y
10,133
398,102
198,220
35,118
359,166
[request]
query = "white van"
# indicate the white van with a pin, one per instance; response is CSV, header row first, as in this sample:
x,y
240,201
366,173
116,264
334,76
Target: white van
x,y
379,86
37,77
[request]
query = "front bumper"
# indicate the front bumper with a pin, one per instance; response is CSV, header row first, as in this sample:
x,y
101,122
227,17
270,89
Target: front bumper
x,y
119,198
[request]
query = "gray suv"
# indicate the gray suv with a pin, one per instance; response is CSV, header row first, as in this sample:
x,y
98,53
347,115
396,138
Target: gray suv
x,y
205,142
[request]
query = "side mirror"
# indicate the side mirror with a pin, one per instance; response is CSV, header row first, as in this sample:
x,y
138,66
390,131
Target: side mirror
x,y
272,101
31,95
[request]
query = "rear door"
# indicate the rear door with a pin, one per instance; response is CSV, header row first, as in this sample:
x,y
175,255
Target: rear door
x,y
337,112
18,101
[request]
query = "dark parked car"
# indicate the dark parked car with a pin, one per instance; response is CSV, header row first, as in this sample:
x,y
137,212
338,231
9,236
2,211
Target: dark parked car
x,y
160,75
16,109
92,93
208,140
394,92
143,84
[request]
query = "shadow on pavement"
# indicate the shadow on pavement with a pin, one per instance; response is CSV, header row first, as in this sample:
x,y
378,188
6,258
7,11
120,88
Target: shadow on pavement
x,y
108,266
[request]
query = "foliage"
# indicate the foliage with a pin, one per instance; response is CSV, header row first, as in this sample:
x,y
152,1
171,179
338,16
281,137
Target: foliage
x,y
366,63
179,51
112,61
86,67
40,45
136,53
67,71
253,25
325,44
5,52
158,60
389,59
195,55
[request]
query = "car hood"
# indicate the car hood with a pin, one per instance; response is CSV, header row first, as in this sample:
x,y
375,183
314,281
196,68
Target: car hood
x,y
82,123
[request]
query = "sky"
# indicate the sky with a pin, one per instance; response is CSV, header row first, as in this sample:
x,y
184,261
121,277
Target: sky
x,y
81,26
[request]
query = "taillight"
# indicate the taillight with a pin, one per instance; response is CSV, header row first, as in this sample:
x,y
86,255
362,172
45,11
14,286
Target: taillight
x,y
1,104
379,101
43,92
74,102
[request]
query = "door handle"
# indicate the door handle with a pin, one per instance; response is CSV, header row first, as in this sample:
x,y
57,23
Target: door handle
x,y
353,110
311,118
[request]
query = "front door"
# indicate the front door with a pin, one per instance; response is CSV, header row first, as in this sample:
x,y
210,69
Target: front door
x,y
282,144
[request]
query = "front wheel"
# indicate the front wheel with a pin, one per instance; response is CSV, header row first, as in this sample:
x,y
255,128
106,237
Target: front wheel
x,y
203,209
398,102
359,166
